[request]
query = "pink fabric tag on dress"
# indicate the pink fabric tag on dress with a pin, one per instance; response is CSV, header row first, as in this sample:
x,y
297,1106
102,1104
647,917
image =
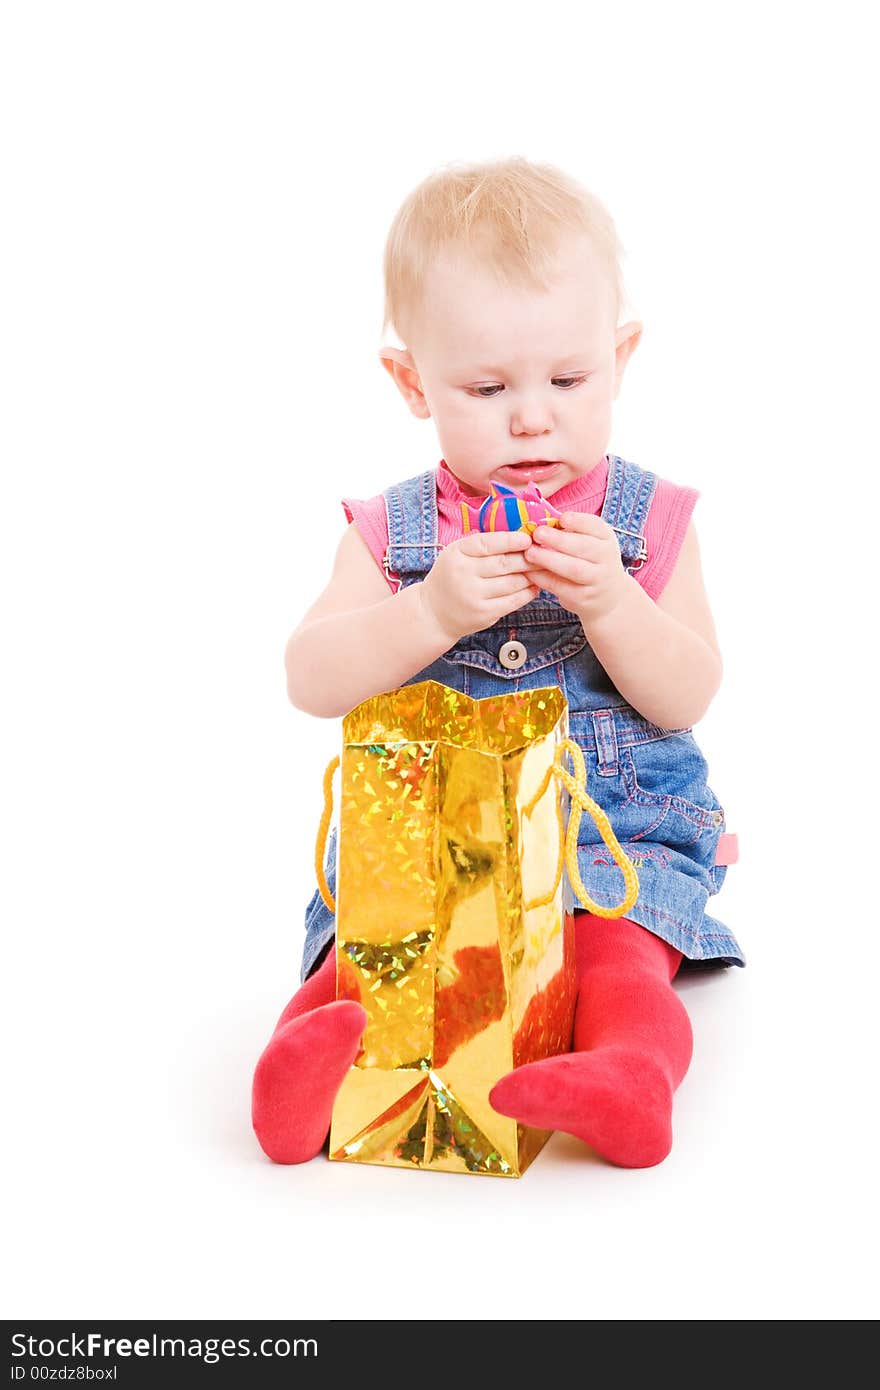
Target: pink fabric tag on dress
x,y
728,850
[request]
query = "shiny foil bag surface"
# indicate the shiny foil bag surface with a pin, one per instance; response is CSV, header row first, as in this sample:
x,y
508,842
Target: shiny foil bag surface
x,y
454,926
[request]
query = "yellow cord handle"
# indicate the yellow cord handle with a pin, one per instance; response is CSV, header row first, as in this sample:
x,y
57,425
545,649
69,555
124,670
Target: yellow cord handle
x,y
580,802
327,812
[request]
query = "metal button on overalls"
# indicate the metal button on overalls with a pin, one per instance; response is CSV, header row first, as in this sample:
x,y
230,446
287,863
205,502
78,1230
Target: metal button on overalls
x,y
512,655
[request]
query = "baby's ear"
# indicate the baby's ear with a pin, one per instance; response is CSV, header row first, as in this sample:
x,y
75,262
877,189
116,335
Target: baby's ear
x,y
627,339
401,367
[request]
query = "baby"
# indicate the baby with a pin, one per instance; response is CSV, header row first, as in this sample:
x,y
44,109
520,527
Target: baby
x,y
503,281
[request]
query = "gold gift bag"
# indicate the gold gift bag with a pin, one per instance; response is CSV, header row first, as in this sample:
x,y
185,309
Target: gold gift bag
x,y
454,921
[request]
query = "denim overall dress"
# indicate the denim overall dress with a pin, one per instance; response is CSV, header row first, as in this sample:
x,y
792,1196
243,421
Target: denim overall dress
x,y
650,781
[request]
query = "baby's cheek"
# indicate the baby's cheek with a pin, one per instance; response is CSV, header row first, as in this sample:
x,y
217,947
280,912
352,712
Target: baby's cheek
x,y
454,427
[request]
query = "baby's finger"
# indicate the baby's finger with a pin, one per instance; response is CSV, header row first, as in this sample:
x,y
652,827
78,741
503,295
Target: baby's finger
x,y
583,522
573,567
493,542
527,595
509,562
507,584
582,543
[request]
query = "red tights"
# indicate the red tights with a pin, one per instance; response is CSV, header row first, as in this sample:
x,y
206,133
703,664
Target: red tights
x,y
632,1046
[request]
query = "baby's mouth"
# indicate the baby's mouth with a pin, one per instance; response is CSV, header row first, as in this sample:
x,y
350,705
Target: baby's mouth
x,y
534,470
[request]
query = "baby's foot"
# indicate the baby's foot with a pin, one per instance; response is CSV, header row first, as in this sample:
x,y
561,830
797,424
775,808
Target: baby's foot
x,y
298,1075
615,1099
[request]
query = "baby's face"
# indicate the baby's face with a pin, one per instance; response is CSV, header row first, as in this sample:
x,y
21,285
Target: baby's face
x,y
519,383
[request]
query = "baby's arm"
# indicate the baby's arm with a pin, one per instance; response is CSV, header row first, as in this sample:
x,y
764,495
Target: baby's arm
x,y
358,639
663,654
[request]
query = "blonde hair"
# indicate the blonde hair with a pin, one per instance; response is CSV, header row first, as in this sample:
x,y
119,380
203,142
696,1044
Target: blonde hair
x,y
510,212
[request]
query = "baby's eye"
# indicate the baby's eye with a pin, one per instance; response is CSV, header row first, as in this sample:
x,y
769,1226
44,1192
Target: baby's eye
x,y
566,382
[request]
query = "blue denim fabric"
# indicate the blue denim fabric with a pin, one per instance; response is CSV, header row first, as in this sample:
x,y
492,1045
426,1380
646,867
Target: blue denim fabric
x,y
650,781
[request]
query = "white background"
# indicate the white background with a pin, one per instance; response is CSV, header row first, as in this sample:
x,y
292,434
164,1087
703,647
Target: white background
x,y
196,198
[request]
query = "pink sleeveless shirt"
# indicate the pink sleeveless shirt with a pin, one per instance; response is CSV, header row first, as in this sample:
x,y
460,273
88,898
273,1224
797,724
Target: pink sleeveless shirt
x,y
665,526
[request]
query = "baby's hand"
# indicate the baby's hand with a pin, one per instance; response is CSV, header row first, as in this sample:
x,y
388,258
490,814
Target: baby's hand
x,y
477,580
579,562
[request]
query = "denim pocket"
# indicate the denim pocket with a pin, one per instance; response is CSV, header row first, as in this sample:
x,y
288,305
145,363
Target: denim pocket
x,y
548,641
667,794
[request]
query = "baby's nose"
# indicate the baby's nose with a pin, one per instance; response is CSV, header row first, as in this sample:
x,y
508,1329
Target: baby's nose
x,y
532,418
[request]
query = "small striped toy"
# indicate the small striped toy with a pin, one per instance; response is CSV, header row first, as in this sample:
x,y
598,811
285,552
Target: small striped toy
x,y
506,510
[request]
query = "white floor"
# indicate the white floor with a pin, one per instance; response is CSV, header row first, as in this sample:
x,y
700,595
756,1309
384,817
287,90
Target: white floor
x,y
138,1189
